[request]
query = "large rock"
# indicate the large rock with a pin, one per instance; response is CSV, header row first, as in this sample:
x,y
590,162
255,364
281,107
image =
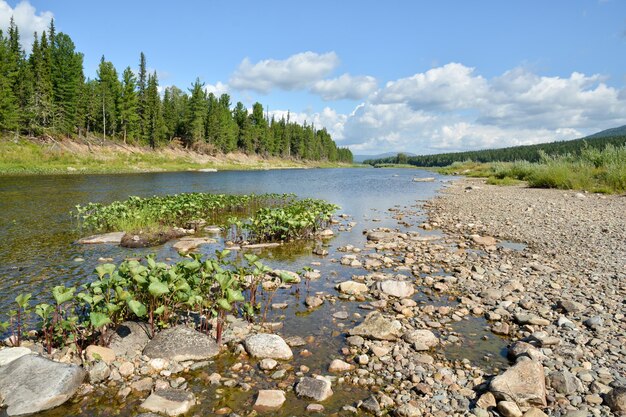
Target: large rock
x,y
400,289
565,382
337,365
484,240
421,339
616,400
32,384
523,383
265,345
269,400
377,236
114,237
351,287
172,402
407,410
95,353
375,326
8,355
317,389
130,338
180,343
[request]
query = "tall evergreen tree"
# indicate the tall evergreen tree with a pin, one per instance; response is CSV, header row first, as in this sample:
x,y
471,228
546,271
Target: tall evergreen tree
x,y
142,84
128,106
109,94
8,105
197,112
154,115
67,79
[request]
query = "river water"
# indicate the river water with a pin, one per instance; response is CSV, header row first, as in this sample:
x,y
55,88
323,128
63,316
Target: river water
x,y
38,249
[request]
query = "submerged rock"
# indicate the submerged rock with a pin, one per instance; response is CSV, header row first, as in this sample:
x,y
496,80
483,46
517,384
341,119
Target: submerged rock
x,y
265,345
180,343
351,287
32,384
421,339
188,244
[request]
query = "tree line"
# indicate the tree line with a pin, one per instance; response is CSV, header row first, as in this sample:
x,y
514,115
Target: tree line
x,y
530,153
46,92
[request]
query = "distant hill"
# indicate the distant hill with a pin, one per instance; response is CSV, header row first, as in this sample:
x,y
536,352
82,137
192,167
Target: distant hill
x,y
360,158
531,153
615,131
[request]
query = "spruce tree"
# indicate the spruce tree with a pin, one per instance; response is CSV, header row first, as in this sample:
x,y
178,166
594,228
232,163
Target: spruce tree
x,y
128,106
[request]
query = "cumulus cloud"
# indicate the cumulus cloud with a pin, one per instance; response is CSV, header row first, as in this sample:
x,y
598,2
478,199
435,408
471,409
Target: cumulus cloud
x,y
217,89
26,18
345,87
452,86
452,108
299,71
328,118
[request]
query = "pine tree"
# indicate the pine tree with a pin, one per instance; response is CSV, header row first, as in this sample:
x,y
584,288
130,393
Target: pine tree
x,y
153,112
128,106
67,80
41,102
8,106
142,83
197,113
109,95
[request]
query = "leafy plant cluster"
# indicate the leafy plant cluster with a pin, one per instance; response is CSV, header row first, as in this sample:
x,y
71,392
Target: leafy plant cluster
x,y
177,210
153,292
299,219
45,92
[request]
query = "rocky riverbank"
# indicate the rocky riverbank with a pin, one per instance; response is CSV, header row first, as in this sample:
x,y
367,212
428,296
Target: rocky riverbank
x,y
556,295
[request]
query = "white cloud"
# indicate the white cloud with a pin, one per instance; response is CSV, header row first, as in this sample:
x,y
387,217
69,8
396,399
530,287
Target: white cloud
x,y
452,86
26,18
345,87
452,108
217,89
299,71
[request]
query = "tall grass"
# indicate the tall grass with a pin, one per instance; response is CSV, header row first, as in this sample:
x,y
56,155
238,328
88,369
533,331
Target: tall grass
x,y
594,170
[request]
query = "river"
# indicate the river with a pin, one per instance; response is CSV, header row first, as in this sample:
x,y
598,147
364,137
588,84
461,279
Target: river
x,y
38,249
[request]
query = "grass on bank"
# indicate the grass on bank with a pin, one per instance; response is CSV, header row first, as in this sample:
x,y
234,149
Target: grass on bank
x,y
23,156
593,170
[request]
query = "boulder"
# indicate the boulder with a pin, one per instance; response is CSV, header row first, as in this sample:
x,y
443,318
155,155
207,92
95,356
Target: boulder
x,y
99,372
265,345
114,237
376,236
32,384
523,384
400,289
129,339
376,326
317,389
269,400
180,343
421,339
8,355
407,410
509,409
172,402
565,382
351,287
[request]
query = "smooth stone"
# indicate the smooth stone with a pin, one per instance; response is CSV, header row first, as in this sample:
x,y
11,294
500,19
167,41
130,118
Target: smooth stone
x,y
180,343
318,389
565,382
535,412
269,400
172,402
265,345
352,287
268,364
338,365
407,410
187,244
100,353
8,355
509,409
483,240
99,372
32,384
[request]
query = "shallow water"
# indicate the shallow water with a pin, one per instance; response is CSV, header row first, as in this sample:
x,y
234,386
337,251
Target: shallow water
x,y
37,251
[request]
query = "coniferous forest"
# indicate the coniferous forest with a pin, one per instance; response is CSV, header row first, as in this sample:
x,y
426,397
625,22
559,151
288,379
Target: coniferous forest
x,y
45,92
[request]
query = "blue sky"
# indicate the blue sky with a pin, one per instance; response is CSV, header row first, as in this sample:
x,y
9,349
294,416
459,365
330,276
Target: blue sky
x,y
415,76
